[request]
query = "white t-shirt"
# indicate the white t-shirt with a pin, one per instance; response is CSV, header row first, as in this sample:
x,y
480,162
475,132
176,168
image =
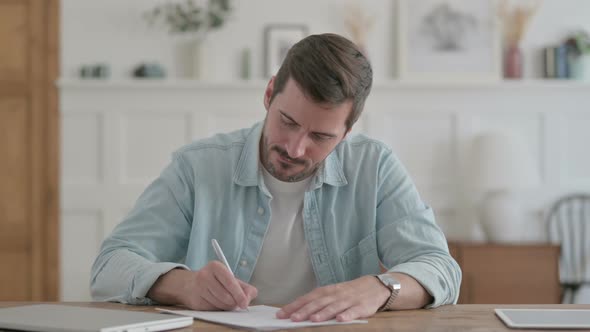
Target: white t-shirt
x,y
283,270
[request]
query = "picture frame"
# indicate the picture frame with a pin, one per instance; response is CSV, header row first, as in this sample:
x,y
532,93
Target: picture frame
x,y
448,40
278,39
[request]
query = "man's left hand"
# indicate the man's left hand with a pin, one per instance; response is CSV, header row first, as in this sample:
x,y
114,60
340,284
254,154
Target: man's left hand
x,y
358,298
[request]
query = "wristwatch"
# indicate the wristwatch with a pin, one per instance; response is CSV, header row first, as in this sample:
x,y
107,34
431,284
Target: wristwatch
x,y
393,285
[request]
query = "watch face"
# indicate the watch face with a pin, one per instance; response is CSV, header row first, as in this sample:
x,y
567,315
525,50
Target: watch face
x,y
388,280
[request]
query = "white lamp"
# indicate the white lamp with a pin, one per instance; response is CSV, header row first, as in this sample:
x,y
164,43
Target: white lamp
x,y
502,164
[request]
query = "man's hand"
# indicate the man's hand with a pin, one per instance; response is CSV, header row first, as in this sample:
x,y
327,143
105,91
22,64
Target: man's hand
x,y
211,288
359,298
344,301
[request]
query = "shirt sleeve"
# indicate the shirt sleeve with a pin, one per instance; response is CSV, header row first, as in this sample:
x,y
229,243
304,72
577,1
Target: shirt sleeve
x,y
408,239
149,242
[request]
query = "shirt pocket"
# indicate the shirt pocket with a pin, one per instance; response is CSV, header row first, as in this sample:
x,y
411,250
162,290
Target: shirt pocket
x,y
361,259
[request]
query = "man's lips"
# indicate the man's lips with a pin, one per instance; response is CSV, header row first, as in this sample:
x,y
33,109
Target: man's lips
x,y
286,161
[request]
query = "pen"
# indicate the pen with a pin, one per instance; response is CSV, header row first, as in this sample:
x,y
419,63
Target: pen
x,y
221,257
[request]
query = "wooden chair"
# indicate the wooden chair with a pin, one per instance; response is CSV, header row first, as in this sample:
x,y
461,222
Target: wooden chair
x,y
568,223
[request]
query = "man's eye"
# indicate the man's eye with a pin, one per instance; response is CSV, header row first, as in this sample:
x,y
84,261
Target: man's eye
x,y
289,123
319,137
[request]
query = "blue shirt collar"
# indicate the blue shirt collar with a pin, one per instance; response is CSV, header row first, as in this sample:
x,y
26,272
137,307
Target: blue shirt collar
x,y
246,173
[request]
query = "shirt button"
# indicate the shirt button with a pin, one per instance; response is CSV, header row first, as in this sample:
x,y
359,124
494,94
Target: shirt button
x,y
260,211
243,263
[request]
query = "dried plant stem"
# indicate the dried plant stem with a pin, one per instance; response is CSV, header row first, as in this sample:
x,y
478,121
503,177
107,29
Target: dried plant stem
x,y
516,20
358,24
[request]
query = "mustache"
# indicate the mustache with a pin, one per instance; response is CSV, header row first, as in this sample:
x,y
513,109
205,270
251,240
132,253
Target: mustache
x,y
285,155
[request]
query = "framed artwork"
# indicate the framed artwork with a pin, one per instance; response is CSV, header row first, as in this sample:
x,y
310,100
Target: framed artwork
x,y
278,39
448,40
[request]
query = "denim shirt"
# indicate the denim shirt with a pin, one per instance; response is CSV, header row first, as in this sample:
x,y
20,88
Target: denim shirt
x,y
360,211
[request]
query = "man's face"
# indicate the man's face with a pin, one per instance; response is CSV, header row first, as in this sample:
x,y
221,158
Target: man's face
x,y
299,134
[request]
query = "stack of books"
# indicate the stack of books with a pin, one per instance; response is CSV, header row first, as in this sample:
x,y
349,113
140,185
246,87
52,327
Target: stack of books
x,y
556,62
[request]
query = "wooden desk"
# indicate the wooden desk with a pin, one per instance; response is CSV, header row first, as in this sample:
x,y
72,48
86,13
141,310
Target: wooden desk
x,y
462,317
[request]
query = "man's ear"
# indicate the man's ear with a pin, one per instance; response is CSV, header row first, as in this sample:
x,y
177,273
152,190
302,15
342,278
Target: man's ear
x,y
268,93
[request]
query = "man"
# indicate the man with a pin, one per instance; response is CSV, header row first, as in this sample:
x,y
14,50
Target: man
x,y
307,216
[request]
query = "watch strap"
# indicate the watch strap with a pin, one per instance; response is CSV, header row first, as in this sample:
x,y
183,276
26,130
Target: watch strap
x,y
387,305
394,292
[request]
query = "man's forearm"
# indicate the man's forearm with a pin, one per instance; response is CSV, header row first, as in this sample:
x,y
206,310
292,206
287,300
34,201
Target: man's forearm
x,y
168,288
412,295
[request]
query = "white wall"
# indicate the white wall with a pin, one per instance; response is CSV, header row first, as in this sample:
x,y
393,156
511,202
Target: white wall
x,y
106,165
113,31
118,136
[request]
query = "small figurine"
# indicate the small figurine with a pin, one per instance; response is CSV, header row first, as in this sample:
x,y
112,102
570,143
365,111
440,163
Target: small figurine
x,y
149,70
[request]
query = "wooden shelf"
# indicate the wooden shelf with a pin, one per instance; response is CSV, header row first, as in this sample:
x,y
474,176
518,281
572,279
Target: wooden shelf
x,y
158,83
173,83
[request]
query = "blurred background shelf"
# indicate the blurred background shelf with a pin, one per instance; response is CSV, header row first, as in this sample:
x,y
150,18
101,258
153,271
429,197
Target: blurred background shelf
x,y
68,83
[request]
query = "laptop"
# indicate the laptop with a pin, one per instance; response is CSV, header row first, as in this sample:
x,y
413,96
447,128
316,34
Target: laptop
x,y
63,318
545,318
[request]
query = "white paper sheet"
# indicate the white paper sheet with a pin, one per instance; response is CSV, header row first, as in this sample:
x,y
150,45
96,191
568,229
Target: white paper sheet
x,y
258,317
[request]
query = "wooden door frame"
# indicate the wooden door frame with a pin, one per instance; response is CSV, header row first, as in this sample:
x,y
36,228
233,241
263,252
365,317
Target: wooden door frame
x,y
52,247
45,152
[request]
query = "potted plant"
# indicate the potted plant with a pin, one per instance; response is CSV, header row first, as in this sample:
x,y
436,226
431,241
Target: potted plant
x,y
195,20
579,54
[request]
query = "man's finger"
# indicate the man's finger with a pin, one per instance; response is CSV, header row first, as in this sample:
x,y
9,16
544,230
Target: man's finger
x,y
351,314
311,308
290,308
221,294
208,304
250,291
330,311
231,284
216,302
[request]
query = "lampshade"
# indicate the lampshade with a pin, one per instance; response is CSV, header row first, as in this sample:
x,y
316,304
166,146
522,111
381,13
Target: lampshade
x,y
501,161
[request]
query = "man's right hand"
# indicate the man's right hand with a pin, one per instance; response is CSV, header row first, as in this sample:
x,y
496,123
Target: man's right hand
x,y
211,288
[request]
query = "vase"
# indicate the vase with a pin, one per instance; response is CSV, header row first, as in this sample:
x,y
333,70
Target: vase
x,y
502,217
201,69
191,58
513,62
580,67
245,69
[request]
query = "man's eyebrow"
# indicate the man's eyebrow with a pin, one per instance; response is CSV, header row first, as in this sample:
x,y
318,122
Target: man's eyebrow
x,y
315,132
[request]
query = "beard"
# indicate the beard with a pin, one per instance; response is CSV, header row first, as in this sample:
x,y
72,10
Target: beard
x,y
278,170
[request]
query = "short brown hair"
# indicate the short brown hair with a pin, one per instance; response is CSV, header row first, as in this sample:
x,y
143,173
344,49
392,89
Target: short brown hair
x,y
329,69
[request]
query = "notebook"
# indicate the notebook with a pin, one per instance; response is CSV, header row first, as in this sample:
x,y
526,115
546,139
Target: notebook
x,y
62,318
545,318
258,317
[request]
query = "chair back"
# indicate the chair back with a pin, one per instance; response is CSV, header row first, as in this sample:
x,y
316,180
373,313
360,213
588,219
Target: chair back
x,y
568,223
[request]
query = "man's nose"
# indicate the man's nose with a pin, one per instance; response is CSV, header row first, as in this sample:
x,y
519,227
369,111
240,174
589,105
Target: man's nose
x,y
296,147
